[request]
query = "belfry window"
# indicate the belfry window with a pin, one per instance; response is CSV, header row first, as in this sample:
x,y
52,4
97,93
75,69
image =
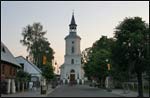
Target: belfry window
x,y
72,49
72,61
72,42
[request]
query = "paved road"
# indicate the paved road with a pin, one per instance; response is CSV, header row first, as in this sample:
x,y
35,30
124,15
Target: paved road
x,y
80,91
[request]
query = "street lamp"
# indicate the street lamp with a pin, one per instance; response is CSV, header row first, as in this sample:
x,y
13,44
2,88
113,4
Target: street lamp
x,y
108,78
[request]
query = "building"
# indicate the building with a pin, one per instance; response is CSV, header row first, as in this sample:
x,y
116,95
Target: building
x,y
33,70
71,70
9,67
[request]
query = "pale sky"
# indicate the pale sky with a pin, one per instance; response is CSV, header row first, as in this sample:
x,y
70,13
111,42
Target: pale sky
x,y
94,19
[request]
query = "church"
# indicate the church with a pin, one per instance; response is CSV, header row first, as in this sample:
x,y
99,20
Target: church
x,y
71,69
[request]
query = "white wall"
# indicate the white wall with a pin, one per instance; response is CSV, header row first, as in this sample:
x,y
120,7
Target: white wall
x,y
28,67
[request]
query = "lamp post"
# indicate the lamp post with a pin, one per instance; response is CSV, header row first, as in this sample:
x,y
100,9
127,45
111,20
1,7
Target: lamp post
x,y
108,78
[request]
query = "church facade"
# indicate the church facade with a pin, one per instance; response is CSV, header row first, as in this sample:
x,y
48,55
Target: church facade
x,y
72,70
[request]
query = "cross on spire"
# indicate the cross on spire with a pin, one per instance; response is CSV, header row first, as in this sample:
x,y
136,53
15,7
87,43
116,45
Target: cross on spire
x,y
73,12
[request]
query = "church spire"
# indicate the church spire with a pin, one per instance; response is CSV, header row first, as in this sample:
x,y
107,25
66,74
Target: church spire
x,y
73,23
73,20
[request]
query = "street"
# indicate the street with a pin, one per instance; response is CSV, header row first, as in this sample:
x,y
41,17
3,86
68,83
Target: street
x,y
80,91
74,91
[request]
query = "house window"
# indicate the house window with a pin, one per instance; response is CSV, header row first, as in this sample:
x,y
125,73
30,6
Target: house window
x,y
22,65
3,69
14,72
72,61
10,70
72,49
3,49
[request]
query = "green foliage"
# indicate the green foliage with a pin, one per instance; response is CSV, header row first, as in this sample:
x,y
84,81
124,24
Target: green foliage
x,y
128,52
37,44
130,48
48,71
32,34
23,76
95,65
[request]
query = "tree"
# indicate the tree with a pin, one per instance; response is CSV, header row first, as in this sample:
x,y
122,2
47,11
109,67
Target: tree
x,y
129,52
38,47
23,77
94,59
148,56
47,71
37,44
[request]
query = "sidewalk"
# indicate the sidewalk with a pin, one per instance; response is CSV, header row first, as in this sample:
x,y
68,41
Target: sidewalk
x,y
30,93
128,94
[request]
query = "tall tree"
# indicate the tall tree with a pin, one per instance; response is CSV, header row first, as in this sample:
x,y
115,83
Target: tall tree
x,y
38,47
31,36
37,44
129,51
95,57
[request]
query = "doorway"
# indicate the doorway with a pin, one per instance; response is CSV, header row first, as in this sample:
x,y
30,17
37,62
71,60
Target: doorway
x,y
72,76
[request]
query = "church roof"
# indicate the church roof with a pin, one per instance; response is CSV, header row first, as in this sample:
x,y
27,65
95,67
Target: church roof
x,y
7,56
23,60
72,36
73,21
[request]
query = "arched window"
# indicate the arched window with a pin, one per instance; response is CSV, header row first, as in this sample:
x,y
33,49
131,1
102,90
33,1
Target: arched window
x,y
72,49
72,71
72,61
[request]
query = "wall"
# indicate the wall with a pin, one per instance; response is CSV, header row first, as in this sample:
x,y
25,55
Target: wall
x,y
8,70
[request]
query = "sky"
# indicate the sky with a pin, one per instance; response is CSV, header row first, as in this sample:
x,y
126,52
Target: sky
x,y
94,19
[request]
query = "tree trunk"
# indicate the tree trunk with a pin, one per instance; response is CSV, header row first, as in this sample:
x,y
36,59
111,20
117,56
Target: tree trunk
x,y
23,86
140,87
101,83
149,83
18,86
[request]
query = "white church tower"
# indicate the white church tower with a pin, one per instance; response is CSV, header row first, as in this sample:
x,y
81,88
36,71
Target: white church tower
x,y
71,70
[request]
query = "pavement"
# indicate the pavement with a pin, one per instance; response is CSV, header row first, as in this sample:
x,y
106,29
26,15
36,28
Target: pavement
x,y
80,91
86,91
128,93
30,93
75,91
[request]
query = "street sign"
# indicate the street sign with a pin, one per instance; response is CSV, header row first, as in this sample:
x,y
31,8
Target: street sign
x,y
108,65
44,59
